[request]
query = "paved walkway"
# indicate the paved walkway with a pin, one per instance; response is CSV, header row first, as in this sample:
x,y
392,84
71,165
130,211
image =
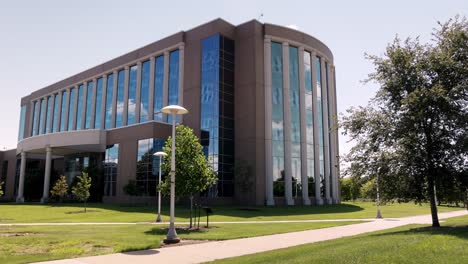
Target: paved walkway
x,y
210,251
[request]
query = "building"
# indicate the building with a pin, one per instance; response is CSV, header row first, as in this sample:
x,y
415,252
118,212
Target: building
x,y
261,98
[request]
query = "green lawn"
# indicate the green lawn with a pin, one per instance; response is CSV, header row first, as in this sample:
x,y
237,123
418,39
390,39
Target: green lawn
x,y
409,244
29,213
39,243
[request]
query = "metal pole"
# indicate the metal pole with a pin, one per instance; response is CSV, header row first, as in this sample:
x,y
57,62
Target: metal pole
x,y
159,193
172,234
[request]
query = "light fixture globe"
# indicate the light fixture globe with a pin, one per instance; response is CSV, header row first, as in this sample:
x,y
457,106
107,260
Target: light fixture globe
x,y
174,109
160,154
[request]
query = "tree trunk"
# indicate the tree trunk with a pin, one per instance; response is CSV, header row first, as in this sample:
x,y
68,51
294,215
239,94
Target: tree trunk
x,y
432,198
191,209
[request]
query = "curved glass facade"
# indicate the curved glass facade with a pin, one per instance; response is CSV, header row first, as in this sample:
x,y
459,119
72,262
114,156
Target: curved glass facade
x,y
295,107
320,123
309,119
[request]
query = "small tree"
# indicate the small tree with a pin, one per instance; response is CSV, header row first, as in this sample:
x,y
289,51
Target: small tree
x,y
193,172
81,189
60,188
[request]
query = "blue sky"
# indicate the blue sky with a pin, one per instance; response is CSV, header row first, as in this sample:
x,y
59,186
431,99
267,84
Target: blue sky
x,y
42,42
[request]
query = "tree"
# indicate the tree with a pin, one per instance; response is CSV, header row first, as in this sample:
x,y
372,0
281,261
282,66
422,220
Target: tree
x,y
60,188
350,187
369,189
421,112
81,189
193,172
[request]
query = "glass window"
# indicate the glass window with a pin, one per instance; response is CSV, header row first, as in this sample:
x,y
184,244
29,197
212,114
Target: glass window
x,y
217,112
144,91
49,115
277,118
295,121
132,82
89,103
35,118
108,109
56,114
71,111
42,116
158,87
21,124
64,111
120,98
148,165
309,123
320,122
173,95
111,163
79,107
97,114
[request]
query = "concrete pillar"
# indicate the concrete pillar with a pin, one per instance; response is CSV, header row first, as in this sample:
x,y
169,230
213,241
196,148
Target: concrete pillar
x,y
326,131
181,79
114,98
20,197
151,90
125,109
287,127
268,127
304,179
103,101
138,94
48,166
166,83
93,104
318,197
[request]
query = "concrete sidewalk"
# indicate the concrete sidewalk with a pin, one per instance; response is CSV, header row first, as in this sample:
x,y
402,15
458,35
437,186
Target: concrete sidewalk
x,y
210,251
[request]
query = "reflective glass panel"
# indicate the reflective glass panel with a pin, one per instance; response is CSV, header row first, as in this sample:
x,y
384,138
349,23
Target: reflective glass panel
x,y
34,119
148,166
144,91
132,83
79,107
21,124
120,98
72,109
295,109
56,113
173,95
42,116
99,106
111,164
320,123
89,103
48,115
158,87
108,106
63,113
277,118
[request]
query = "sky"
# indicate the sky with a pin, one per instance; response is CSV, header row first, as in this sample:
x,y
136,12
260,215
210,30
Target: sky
x,y
42,42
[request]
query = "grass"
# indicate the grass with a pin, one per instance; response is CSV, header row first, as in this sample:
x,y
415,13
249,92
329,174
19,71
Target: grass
x,y
22,244
408,244
30,213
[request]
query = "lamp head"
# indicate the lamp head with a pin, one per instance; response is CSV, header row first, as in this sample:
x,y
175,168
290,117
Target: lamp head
x,y
174,109
160,154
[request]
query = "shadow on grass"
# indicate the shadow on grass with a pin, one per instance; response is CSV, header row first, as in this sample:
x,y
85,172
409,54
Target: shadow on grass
x,y
141,252
180,231
228,211
460,231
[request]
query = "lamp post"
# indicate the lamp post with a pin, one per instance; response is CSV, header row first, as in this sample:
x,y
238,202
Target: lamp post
x,y
379,215
173,110
160,154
